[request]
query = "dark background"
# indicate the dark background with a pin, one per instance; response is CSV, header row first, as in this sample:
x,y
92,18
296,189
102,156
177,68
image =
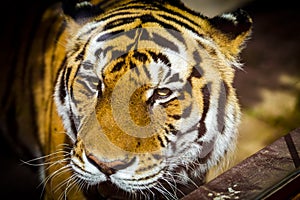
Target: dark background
x,y
272,51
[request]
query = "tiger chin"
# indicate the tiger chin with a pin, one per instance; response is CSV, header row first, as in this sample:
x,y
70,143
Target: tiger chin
x,y
141,102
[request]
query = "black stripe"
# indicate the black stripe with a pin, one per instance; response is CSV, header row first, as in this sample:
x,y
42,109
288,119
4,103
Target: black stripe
x,y
174,78
84,84
62,90
73,126
168,27
172,129
109,36
160,7
121,14
164,42
163,58
196,72
177,117
99,89
72,96
134,180
67,73
177,22
132,65
180,16
136,70
207,48
87,65
142,57
98,52
206,99
80,56
146,18
135,8
161,141
187,111
175,33
86,93
91,79
166,104
222,106
144,35
114,53
118,66
167,75
147,72
119,22
197,59
204,159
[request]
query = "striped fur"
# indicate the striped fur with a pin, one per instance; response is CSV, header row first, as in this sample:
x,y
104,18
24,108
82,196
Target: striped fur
x,y
131,99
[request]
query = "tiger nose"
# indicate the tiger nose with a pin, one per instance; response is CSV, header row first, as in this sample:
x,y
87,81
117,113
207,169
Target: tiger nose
x,y
105,167
108,168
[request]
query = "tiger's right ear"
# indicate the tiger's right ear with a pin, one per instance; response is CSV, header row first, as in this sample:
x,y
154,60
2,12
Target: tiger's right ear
x,y
80,10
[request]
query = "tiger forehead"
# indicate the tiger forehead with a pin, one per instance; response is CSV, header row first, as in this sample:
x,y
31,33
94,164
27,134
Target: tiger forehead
x,y
137,61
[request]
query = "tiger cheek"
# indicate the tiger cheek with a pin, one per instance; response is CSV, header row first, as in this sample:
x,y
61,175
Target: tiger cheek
x,y
173,110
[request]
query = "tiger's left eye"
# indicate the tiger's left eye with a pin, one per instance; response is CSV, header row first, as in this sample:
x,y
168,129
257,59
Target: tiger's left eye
x,y
159,93
162,93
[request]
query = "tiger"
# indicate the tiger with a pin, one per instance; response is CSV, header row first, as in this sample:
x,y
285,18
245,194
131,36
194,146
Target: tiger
x,y
127,99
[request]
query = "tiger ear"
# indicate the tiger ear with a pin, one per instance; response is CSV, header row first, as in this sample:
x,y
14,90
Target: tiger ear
x,y
231,30
80,10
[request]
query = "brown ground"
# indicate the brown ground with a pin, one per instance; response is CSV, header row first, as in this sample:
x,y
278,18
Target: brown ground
x,y
268,87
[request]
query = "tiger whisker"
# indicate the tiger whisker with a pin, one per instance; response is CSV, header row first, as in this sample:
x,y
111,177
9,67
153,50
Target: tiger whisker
x,y
58,162
52,175
65,146
62,183
28,162
180,176
81,184
150,191
163,191
172,186
70,183
44,163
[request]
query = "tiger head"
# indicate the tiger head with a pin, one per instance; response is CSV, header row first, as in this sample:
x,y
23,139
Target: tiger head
x,y
146,94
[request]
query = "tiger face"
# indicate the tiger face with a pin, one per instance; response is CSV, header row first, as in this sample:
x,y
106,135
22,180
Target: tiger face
x,y
149,103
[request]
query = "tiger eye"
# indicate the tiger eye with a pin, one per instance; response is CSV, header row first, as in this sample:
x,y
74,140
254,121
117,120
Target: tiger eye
x,y
163,92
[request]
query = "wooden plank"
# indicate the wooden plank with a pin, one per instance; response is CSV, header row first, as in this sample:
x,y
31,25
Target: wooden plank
x,y
272,171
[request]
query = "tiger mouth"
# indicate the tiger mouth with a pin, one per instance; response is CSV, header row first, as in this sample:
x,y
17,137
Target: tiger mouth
x,y
123,178
128,185
99,177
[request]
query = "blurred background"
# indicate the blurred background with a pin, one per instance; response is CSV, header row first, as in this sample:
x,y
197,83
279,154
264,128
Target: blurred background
x,y
268,86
